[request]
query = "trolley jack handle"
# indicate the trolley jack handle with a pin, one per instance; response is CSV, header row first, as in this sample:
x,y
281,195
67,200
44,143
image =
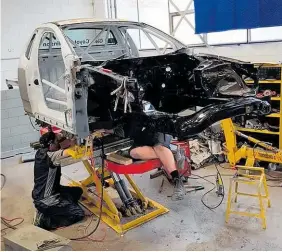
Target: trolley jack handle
x,y
257,142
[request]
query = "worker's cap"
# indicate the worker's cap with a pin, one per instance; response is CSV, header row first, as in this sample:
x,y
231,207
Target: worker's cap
x,y
47,139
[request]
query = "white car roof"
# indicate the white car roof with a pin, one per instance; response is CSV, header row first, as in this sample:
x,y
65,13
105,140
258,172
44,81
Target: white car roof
x,y
91,20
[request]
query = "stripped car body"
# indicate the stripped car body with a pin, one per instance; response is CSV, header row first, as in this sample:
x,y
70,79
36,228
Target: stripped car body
x,y
83,75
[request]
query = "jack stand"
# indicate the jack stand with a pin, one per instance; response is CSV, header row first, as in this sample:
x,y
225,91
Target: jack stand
x,y
244,176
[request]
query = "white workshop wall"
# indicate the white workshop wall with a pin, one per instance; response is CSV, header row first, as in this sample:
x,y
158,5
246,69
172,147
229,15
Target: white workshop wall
x,y
16,130
20,17
265,52
260,52
156,13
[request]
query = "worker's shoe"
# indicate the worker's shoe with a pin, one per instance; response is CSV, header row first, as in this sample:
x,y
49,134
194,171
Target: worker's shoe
x,y
43,221
179,190
37,220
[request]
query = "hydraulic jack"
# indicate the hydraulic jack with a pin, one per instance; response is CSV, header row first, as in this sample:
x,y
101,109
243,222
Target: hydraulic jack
x,y
130,205
136,209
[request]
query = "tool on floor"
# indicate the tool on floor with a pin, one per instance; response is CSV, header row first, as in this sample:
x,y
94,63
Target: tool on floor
x,y
194,188
29,157
219,185
162,186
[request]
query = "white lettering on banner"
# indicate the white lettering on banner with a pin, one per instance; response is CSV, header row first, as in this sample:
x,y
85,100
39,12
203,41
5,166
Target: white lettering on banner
x,y
80,37
54,44
84,42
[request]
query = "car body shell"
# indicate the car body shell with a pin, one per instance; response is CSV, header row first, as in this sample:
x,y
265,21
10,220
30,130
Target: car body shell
x,y
53,62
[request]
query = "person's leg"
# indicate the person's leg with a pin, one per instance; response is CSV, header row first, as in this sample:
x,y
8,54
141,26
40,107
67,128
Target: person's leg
x,y
72,193
62,214
164,153
143,153
161,150
68,216
166,157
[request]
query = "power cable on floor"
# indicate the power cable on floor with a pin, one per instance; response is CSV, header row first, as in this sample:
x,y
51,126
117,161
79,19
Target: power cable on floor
x,y
4,181
218,177
274,177
205,194
277,186
82,238
8,223
211,175
204,178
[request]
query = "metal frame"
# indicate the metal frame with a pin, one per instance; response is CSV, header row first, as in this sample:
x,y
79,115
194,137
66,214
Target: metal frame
x,y
183,14
150,34
52,85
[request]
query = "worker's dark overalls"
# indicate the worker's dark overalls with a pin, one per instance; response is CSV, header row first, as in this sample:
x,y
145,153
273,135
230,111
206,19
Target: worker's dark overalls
x,y
57,205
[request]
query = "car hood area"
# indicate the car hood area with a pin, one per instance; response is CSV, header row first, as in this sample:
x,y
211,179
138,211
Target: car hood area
x,y
171,83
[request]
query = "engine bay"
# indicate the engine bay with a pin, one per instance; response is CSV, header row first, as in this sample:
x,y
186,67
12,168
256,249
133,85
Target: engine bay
x,y
171,83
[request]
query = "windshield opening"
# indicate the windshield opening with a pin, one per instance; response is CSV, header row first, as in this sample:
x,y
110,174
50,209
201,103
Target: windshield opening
x,y
102,42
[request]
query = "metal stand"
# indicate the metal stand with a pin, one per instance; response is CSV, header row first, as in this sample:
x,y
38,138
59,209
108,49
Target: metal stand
x,y
251,176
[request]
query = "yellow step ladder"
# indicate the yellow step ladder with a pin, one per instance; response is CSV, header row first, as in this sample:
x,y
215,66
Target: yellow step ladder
x,y
251,176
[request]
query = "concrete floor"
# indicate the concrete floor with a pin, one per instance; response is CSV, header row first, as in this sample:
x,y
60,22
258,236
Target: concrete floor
x,y
188,226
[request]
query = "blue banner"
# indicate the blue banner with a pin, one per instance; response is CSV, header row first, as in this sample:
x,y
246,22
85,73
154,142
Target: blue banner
x,y
223,15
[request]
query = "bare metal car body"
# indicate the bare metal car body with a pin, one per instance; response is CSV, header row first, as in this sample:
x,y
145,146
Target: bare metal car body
x,y
82,75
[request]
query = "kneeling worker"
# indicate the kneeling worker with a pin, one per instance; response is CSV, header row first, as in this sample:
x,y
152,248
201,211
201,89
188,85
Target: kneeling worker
x,y
56,205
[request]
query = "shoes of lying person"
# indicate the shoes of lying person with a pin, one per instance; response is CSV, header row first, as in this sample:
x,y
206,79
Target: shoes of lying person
x,y
179,190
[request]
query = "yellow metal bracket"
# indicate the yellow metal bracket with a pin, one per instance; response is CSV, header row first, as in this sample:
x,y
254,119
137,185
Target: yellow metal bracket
x,y
234,155
248,174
